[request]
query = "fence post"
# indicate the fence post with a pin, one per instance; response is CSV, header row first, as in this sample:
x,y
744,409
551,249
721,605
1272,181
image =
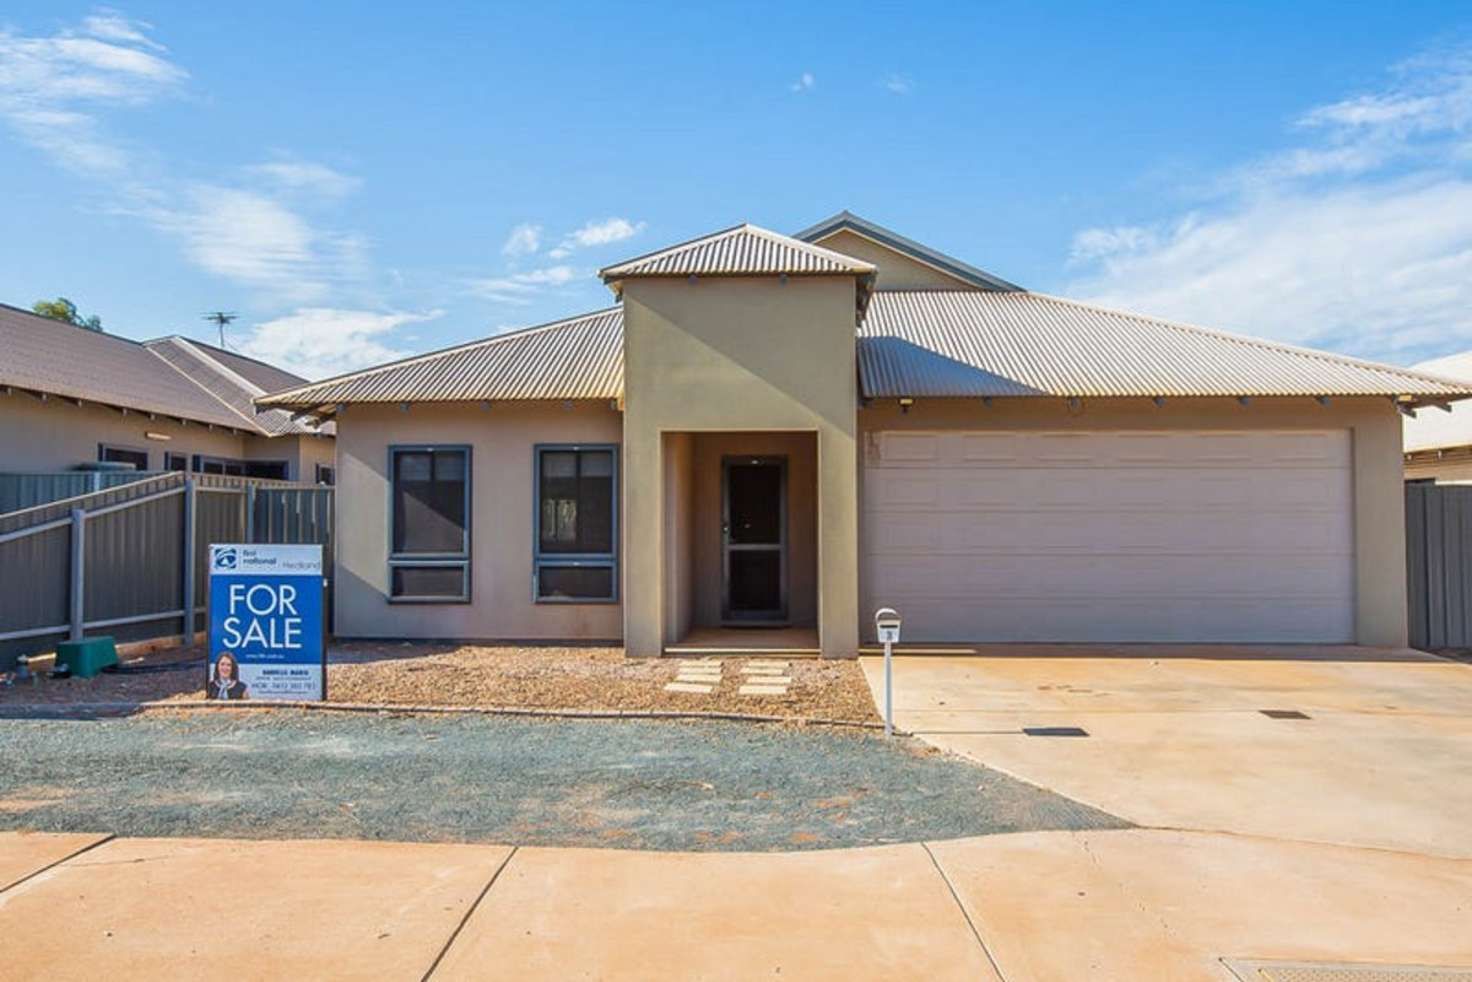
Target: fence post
x,y
189,561
250,513
78,573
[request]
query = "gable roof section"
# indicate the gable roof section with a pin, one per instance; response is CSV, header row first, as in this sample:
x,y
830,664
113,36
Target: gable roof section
x,y
744,250
208,368
578,358
951,266
978,344
44,355
1436,430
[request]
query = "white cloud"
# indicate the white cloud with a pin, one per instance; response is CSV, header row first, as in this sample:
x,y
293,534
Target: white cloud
x,y
55,93
604,232
523,240
899,84
317,342
306,177
52,87
1359,237
520,288
804,82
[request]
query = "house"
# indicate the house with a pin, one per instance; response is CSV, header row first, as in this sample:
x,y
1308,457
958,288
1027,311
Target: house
x,y
1438,442
783,433
71,397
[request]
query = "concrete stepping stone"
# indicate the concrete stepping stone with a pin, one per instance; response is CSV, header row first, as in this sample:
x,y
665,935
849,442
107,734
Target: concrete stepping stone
x,y
690,687
763,690
763,670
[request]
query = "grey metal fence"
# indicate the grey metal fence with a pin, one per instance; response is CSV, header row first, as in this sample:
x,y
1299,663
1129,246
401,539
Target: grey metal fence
x,y
1439,565
130,561
19,491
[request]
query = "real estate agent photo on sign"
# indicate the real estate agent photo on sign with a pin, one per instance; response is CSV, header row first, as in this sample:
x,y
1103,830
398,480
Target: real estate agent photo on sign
x,y
225,679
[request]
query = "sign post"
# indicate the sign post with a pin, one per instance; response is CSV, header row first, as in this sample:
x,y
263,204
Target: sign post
x,y
267,638
887,627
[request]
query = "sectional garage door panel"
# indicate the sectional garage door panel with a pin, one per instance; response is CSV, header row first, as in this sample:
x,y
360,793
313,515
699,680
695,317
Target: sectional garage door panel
x,y
1111,536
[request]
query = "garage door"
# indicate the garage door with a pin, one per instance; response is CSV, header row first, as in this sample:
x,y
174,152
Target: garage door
x,y
1111,536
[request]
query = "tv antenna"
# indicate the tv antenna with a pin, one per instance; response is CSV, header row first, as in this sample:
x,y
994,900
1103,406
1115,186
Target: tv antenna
x,y
220,318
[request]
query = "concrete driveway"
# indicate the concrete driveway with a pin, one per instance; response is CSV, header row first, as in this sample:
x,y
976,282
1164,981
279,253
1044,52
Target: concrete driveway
x,y
1177,737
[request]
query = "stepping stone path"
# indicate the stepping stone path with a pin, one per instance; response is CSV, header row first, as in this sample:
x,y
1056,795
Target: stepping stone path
x,y
760,677
765,677
696,676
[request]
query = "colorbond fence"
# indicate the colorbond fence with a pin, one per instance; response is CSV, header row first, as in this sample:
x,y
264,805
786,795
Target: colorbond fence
x,y
130,561
1439,565
18,491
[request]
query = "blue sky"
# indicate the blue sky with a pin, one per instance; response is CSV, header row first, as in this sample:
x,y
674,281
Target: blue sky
x,y
361,182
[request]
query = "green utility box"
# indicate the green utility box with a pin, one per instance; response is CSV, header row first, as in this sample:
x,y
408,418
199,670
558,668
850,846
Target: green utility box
x,y
87,657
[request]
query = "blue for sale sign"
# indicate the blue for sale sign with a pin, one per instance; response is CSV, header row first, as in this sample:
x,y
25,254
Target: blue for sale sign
x,y
266,631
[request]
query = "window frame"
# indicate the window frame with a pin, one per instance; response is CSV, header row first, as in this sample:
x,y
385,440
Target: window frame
x,y
418,560
172,455
103,448
332,471
575,560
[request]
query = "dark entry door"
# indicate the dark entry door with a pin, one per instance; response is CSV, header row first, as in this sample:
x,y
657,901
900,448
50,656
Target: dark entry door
x,y
754,540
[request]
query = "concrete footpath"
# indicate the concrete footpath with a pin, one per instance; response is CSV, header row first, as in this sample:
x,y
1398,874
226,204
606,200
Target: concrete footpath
x,y
1128,904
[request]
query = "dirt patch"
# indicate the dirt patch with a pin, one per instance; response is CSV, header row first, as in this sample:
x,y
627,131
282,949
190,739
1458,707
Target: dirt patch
x,y
30,798
530,677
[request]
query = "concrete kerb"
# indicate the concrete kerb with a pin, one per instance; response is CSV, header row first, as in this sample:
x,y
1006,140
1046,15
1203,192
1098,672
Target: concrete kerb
x,y
85,709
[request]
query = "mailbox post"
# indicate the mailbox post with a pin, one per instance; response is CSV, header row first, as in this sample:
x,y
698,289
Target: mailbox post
x,y
887,627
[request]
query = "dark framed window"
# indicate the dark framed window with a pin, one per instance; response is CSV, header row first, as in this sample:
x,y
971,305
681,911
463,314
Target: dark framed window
x,y
275,470
429,526
326,474
576,546
110,454
175,461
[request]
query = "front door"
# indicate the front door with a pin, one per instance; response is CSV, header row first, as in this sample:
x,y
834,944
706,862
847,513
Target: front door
x,y
754,540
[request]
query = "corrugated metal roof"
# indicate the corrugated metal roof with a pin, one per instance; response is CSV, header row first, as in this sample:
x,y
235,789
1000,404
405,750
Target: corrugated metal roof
x,y
745,250
961,343
205,366
874,232
48,356
1434,429
578,358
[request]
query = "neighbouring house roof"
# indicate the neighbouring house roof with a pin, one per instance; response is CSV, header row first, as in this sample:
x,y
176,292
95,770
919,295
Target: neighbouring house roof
x,y
170,377
848,221
578,358
1435,429
966,343
745,250
222,374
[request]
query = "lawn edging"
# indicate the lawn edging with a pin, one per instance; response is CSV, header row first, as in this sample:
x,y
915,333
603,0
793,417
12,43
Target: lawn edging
x,y
80,709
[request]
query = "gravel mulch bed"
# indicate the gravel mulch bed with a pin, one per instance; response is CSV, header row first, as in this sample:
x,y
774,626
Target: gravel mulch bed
x,y
528,677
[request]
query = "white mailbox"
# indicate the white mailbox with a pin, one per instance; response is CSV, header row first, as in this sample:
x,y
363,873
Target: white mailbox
x,y
887,625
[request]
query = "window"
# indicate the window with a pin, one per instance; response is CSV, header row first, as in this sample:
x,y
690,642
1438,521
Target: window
x,y
175,461
576,558
274,470
109,454
429,547
326,475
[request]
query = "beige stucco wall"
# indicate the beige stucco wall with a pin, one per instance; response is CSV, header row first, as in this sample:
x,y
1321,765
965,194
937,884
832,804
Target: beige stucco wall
x,y
740,354
895,270
302,452
501,440
802,519
56,435
679,534
1379,501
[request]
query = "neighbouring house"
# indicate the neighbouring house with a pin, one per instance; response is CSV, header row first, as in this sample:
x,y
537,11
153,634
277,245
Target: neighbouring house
x,y
1438,442
71,397
785,432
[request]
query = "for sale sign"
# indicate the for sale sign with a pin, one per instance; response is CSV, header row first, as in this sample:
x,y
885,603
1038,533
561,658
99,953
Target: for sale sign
x,y
266,631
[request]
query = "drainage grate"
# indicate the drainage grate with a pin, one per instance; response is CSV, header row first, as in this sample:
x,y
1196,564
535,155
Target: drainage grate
x,y
1253,970
1059,731
1284,714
